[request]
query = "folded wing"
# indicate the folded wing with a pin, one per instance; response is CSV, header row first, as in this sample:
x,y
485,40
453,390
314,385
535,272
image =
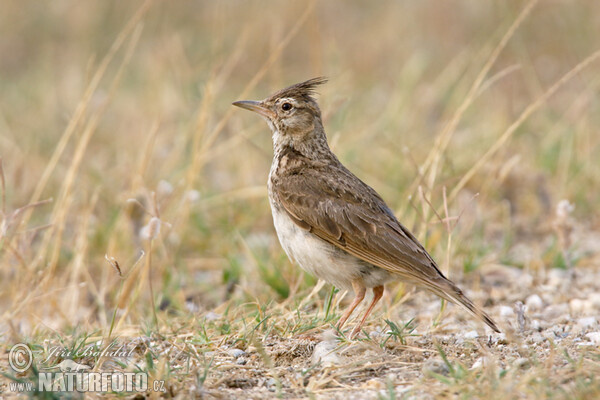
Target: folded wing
x,y
353,217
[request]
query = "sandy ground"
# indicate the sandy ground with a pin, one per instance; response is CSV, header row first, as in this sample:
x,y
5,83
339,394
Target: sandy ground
x,y
549,348
550,322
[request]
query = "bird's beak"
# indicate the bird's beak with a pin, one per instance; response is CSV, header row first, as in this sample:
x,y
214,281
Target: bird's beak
x,y
256,106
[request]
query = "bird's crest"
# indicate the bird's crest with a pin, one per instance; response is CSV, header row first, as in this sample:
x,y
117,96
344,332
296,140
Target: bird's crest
x,y
304,89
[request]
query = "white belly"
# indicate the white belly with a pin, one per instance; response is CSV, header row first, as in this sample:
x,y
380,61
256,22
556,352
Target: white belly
x,y
324,260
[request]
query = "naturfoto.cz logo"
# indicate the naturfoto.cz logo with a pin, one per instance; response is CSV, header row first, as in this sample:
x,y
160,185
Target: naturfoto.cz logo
x,y
70,376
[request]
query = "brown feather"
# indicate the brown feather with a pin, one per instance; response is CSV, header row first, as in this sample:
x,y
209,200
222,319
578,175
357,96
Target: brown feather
x,y
342,216
309,188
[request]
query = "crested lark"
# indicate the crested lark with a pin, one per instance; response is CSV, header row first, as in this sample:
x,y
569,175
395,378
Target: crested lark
x,y
328,221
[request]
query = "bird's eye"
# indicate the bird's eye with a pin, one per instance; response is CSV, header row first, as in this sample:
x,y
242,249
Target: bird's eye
x,y
286,106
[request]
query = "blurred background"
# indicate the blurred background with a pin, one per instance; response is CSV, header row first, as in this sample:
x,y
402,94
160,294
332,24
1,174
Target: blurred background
x,y
120,113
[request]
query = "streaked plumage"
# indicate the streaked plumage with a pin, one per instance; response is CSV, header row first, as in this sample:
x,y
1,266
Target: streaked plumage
x,y
330,222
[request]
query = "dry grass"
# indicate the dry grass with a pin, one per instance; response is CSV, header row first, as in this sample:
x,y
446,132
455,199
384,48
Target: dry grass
x,y
134,202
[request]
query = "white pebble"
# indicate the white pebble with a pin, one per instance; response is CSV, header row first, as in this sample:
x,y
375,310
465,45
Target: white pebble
x,y
212,316
480,362
579,306
471,334
587,322
506,311
576,305
236,352
270,382
436,366
521,363
536,338
499,339
325,353
534,302
375,334
594,337
594,299
556,277
555,310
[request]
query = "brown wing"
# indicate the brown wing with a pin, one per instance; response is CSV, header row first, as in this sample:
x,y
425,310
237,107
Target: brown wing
x,y
335,205
338,207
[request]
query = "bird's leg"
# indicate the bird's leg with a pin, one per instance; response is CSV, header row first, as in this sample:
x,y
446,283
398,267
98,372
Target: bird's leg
x,y
359,295
377,293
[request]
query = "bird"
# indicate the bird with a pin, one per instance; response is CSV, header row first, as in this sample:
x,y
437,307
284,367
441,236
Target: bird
x,y
331,223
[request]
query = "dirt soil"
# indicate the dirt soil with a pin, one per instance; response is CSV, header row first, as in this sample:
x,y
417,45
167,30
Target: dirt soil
x,y
551,334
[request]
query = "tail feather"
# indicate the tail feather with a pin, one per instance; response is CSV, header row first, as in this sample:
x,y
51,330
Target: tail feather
x,y
454,294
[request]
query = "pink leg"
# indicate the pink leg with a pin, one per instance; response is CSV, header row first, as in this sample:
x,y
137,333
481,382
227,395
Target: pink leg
x,y
377,293
359,295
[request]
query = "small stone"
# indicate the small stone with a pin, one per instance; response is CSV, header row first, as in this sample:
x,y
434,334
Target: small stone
x,y
375,334
241,361
521,362
192,307
435,366
594,337
325,353
594,299
499,339
534,302
556,277
270,382
587,322
585,344
471,334
536,338
212,316
535,325
548,296
506,311
579,306
445,339
236,352
576,305
480,362
555,310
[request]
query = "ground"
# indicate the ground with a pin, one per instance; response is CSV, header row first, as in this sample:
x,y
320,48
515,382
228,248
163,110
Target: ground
x,y
549,349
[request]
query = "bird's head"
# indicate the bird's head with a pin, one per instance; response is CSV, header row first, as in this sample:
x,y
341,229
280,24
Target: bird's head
x,y
292,113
